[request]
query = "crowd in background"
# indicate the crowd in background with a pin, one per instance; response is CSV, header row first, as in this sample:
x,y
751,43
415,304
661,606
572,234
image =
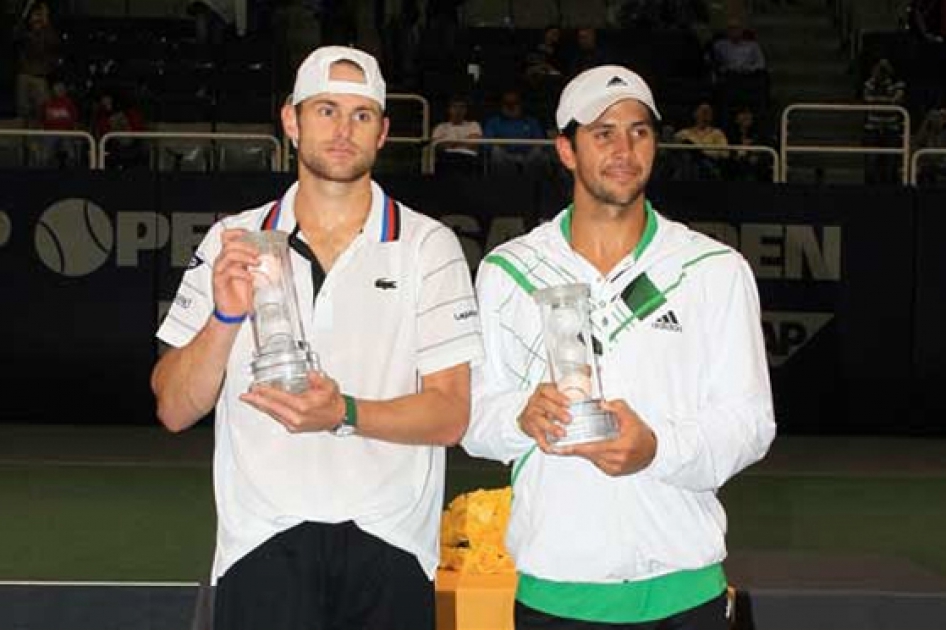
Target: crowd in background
x,y
478,94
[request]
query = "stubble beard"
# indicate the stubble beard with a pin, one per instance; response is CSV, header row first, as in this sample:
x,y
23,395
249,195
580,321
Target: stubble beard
x,y
600,191
342,174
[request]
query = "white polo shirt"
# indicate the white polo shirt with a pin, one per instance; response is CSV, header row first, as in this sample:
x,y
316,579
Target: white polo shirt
x,y
398,304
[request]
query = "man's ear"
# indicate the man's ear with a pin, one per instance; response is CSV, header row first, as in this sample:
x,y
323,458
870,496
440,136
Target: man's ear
x,y
385,127
566,152
290,123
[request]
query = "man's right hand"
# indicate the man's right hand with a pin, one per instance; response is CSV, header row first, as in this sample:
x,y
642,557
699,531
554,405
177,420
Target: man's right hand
x,y
232,279
545,415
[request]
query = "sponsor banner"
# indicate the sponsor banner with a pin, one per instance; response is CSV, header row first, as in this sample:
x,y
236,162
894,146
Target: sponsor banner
x,y
835,272
93,259
928,399
74,315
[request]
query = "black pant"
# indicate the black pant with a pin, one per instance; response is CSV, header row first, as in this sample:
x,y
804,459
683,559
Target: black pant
x,y
708,616
318,576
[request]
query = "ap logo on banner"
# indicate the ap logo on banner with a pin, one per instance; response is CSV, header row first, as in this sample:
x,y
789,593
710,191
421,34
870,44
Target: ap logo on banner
x,y
74,237
787,332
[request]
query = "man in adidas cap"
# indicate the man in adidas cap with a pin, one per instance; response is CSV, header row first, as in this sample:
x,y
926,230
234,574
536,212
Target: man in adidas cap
x,y
329,501
626,533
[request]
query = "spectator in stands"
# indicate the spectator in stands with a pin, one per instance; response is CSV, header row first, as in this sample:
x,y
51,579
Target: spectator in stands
x,y
932,135
511,123
457,157
60,114
545,74
704,164
746,165
588,54
38,43
883,128
704,132
546,59
116,112
737,53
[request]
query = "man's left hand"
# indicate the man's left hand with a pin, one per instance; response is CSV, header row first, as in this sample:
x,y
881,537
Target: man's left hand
x,y
631,451
320,408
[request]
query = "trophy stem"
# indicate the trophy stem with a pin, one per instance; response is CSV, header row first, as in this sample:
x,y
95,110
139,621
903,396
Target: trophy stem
x,y
590,423
285,370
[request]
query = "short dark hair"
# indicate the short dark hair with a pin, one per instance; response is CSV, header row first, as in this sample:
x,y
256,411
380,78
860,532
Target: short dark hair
x,y
570,131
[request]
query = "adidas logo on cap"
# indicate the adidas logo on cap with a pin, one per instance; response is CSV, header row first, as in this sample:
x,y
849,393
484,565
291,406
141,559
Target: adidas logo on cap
x,y
616,81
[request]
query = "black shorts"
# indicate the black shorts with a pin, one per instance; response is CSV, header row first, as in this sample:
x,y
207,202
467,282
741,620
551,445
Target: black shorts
x,y
318,576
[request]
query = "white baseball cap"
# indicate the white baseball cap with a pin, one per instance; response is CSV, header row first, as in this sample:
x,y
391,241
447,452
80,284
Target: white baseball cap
x,y
593,91
313,76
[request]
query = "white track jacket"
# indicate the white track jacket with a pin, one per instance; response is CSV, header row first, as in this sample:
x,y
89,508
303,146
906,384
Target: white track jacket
x,y
678,325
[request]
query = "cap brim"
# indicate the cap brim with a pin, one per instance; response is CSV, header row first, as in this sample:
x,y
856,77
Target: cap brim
x,y
594,108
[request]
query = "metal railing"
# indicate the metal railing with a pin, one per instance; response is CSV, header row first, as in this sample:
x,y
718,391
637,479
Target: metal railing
x,y
432,153
915,162
903,150
280,157
83,136
735,148
729,148
276,157
424,115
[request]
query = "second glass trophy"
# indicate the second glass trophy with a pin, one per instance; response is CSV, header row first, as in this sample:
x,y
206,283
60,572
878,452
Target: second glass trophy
x,y
566,327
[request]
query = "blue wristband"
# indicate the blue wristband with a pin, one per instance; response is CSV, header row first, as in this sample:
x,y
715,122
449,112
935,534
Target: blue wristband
x,y
229,319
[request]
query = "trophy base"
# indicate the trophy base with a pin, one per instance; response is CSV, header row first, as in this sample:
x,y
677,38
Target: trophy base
x,y
286,370
590,423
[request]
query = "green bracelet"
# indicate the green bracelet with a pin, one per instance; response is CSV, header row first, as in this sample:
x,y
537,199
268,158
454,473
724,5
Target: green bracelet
x,y
351,411
349,423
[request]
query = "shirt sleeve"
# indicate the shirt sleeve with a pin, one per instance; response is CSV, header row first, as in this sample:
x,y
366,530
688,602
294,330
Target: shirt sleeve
x,y
193,302
737,425
448,322
501,385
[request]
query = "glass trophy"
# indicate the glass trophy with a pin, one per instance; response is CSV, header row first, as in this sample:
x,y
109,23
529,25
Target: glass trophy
x,y
566,328
282,356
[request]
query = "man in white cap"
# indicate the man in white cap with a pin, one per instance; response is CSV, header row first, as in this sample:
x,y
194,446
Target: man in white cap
x,y
329,501
624,533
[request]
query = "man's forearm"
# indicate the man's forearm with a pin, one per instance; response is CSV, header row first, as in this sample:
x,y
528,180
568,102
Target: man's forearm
x,y
438,415
424,418
186,381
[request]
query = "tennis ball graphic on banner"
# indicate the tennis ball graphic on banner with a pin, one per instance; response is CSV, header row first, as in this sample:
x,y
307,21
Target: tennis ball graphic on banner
x,y
74,237
6,227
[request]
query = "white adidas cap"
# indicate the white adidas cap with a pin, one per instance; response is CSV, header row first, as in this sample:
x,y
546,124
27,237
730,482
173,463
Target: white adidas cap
x,y
593,91
313,78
